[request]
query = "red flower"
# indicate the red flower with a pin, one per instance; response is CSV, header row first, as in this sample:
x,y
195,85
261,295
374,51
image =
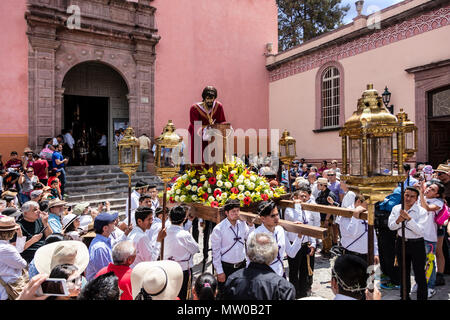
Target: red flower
x,y
172,199
187,183
199,184
214,204
231,177
235,190
247,200
205,196
212,180
168,188
217,192
265,197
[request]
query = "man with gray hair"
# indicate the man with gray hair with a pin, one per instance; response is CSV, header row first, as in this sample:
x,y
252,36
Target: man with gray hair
x,y
258,281
123,255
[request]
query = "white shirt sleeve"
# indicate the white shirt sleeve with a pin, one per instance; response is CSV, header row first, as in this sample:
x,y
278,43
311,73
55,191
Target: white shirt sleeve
x,y
216,247
395,213
20,244
190,244
291,250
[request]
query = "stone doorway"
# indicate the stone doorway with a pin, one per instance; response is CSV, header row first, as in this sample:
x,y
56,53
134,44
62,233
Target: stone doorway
x,y
439,126
95,96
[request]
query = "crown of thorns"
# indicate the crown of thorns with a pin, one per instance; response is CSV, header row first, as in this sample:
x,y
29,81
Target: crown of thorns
x,y
354,288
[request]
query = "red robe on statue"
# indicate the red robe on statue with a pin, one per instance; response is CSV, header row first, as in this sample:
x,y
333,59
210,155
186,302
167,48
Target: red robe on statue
x,y
198,113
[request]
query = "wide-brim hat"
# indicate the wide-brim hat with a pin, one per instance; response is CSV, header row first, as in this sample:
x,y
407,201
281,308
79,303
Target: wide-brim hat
x,y
62,252
322,181
9,193
68,220
161,279
8,224
80,207
300,180
445,168
56,202
11,212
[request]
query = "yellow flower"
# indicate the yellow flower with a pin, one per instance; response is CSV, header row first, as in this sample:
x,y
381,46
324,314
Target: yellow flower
x,y
233,196
192,173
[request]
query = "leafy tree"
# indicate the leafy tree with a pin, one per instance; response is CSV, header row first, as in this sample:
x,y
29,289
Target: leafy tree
x,y
302,20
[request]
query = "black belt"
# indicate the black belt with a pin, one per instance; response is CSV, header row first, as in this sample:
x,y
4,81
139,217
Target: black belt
x,y
361,255
411,240
234,265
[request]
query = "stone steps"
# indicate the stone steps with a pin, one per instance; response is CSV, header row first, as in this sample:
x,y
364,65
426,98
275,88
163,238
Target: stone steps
x,y
96,184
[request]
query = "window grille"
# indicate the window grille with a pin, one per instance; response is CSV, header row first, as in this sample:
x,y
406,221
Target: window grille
x,y
330,98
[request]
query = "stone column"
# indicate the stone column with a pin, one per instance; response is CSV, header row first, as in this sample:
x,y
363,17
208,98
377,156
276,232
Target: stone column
x,y
59,109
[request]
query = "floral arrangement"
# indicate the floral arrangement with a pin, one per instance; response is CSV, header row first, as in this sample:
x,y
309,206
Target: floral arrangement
x,y
232,181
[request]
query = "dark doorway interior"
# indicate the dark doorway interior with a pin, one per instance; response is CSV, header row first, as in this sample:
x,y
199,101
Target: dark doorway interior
x,y
88,119
439,126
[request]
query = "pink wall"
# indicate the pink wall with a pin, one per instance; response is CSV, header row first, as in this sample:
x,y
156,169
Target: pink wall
x,y
219,43
13,77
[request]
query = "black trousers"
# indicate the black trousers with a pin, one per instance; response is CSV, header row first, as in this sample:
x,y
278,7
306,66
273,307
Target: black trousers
x,y
184,287
195,229
298,271
386,251
415,254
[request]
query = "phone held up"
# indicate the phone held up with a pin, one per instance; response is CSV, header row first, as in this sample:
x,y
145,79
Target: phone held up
x,y
53,287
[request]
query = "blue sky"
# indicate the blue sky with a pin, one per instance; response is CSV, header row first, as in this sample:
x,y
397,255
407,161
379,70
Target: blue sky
x,y
371,5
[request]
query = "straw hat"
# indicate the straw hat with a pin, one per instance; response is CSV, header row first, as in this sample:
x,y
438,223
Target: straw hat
x,y
55,203
322,181
62,252
68,219
300,180
443,168
8,224
161,279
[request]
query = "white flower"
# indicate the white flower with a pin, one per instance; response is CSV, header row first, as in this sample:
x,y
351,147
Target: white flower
x,y
202,178
177,198
233,172
219,183
178,191
270,194
182,198
239,181
241,187
206,184
247,193
253,178
194,198
219,177
188,187
228,185
211,199
241,177
209,190
184,177
246,181
194,188
194,181
240,196
224,196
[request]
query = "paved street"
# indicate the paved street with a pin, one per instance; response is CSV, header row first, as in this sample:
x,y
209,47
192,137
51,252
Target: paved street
x,y
322,274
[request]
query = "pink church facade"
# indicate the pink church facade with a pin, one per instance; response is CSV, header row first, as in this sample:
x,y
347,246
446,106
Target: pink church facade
x,y
314,87
149,60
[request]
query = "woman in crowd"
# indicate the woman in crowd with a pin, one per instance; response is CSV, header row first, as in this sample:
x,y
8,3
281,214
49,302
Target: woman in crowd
x,y
205,287
26,182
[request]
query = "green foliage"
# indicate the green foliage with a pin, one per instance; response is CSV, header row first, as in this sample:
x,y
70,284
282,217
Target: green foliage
x,y
302,20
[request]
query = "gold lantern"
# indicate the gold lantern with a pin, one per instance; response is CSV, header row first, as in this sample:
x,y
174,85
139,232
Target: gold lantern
x,y
129,160
287,151
368,155
167,162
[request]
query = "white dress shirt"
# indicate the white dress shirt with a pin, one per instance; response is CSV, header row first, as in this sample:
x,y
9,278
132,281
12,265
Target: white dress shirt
x,y
414,229
134,205
342,297
146,249
430,227
180,246
102,142
117,236
304,216
155,204
152,233
354,233
348,201
314,190
20,243
284,246
68,139
224,244
11,265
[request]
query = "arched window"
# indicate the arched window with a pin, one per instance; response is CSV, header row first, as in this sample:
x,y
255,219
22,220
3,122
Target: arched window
x,y
330,91
330,107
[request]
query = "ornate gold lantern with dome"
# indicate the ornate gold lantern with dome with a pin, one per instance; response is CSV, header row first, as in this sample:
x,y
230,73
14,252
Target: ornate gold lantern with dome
x,y
287,145
167,161
408,135
368,154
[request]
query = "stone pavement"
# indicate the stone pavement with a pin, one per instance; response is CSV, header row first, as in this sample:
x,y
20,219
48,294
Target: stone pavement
x,y
321,287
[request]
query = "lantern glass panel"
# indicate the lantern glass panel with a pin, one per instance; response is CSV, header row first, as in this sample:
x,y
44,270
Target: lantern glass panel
x,y
166,159
126,155
409,140
380,156
291,150
283,151
355,157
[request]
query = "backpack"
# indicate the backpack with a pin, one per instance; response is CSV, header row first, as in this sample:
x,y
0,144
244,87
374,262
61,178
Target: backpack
x,y
442,215
46,154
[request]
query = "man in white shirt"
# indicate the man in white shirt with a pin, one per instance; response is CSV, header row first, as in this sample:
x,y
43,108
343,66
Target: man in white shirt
x,y
270,217
228,243
144,147
181,247
415,218
303,262
139,189
103,149
354,232
313,185
153,192
146,249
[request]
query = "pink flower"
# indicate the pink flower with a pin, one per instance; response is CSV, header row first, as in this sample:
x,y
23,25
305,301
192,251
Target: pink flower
x,y
214,204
